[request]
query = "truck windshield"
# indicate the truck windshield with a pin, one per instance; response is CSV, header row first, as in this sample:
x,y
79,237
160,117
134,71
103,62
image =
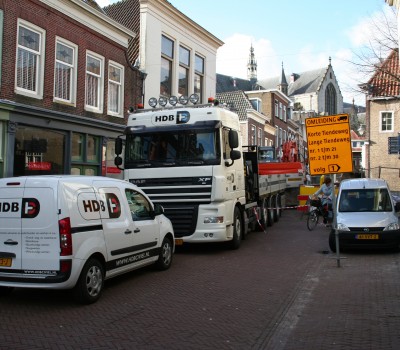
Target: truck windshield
x,y
360,200
172,148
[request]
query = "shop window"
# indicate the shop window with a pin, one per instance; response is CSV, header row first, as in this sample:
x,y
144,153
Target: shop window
x,y
38,151
85,154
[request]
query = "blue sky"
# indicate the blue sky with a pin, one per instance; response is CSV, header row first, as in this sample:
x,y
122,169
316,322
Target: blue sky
x,y
301,34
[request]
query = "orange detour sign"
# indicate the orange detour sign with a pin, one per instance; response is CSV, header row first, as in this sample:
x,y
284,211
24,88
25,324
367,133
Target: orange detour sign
x,y
329,144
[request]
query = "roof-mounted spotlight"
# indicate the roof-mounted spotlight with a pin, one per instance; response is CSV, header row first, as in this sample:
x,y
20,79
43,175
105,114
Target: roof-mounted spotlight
x,y
194,98
162,101
173,100
153,102
183,100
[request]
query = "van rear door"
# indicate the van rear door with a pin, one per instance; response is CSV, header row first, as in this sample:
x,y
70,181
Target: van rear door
x,y
11,194
40,232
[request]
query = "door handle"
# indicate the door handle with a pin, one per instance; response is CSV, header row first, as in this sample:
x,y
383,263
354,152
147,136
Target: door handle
x,y
136,230
127,232
10,242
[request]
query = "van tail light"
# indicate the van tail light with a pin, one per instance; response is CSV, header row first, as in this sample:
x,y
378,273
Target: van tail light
x,y
65,236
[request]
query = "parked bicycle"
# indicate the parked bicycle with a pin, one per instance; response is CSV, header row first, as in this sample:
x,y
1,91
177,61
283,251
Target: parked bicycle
x,y
317,210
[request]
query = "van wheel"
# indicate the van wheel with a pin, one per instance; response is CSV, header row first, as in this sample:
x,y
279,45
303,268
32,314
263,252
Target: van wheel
x,y
237,229
4,291
165,258
90,283
332,241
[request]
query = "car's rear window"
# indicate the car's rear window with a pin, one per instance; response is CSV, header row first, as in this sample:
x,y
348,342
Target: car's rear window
x,y
365,200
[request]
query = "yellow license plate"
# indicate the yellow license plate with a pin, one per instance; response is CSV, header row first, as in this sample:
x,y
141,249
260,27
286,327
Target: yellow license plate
x,y
5,262
367,236
178,241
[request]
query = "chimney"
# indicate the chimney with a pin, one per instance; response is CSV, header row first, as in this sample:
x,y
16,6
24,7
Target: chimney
x,y
294,77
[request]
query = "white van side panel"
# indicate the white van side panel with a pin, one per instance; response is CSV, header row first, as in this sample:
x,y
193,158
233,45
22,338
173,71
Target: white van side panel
x,y
10,226
40,234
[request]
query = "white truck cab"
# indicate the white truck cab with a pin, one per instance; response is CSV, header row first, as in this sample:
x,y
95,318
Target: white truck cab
x,y
74,232
366,215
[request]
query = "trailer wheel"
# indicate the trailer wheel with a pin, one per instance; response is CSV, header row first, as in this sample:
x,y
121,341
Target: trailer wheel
x,y
264,216
237,229
276,208
270,211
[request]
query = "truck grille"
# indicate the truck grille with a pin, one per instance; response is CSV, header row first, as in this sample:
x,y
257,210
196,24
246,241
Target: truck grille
x,y
180,198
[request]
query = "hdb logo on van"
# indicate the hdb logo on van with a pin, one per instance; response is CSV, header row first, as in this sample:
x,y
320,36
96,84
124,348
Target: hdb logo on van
x,y
29,208
111,205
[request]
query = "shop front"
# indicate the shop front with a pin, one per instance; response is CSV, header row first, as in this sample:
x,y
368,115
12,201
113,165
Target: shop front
x,y
51,143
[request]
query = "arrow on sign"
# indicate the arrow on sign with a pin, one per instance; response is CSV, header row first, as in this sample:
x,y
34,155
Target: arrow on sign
x,y
333,168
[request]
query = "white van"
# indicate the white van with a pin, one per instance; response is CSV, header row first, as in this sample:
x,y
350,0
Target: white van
x,y
366,215
62,232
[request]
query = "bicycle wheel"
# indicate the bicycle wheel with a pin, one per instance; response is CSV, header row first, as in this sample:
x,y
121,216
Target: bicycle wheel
x,y
312,220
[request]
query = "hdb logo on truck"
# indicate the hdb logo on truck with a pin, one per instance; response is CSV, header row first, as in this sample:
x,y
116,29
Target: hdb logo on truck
x,y
29,208
182,117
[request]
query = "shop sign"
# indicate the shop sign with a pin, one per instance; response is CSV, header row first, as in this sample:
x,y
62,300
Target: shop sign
x,y
39,166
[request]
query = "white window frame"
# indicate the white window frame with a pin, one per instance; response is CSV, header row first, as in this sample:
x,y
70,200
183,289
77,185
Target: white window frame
x,y
100,83
257,104
381,120
40,56
73,69
120,85
199,76
276,109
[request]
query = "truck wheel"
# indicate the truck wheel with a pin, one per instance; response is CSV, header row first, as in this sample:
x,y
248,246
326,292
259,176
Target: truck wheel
x,y
90,283
264,216
165,258
237,229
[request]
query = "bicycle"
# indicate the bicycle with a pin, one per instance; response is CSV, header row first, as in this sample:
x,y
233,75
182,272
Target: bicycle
x,y
314,214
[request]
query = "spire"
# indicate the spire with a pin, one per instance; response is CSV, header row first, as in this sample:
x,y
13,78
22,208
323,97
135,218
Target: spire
x,y
283,85
252,67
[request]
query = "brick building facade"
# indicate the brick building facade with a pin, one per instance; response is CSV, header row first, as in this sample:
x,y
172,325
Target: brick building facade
x,y
66,86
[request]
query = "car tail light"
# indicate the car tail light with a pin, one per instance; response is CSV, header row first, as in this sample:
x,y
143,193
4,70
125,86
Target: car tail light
x,y
65,236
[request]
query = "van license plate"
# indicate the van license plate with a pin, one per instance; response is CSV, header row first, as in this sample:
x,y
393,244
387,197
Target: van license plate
x,y
367,236
5,262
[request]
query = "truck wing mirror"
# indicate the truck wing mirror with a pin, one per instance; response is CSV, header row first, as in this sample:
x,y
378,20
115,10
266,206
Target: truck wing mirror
x,y
233,139
234,155
118,146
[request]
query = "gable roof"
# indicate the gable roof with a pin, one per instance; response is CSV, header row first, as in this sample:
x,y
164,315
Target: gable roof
x,y
306,82
127,12
94,4
237,101
386,79
226,83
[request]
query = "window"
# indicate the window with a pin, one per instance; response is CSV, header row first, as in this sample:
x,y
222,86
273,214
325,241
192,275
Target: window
x,y
280,111
138,204
167,57
284,113
253,135
94,82
259,142
256,103
65,71
85,154
276,108
184,64
29,71
330,99
199,76
115,89
386,121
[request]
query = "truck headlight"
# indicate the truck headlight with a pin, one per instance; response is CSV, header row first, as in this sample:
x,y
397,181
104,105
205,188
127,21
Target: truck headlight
x,y
342,227
391,227
213,219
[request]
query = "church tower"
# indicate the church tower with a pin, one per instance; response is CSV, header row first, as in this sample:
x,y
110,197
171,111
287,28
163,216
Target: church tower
x,y
283,85
252,67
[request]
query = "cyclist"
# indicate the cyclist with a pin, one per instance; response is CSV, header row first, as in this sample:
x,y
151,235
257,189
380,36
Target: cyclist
x,y
325,192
